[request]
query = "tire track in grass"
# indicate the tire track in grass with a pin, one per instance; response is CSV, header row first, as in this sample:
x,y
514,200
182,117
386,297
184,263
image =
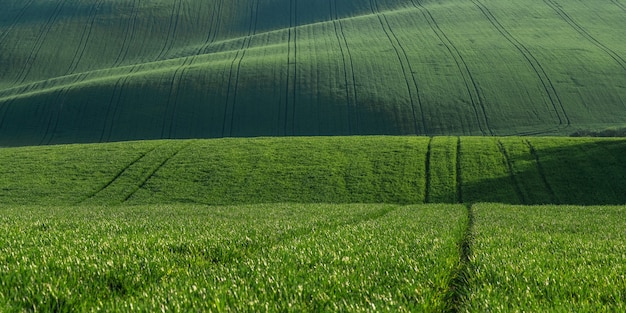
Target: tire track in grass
x,y
582,31
470,83
459,177
129,34
509,164
254,16
171,30
545,80
54,115
333,16
405,64
292,50
84,38
427,174
156,169
619,5
28,65
179,73
172,99
17,18
113,106
351,61
455,293
542,172
119,174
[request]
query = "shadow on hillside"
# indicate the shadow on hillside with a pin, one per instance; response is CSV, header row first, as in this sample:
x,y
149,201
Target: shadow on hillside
x,y
587,172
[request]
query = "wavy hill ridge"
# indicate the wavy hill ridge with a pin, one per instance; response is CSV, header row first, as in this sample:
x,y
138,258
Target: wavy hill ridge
x,y
97,71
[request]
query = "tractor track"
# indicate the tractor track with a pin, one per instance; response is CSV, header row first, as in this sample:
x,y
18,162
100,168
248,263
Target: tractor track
x,y
541,171
15,21
619,5
427,171
405,65
84,38
470,83
171,31
333,15
545,80
129,34
582,31
459,177
120,173
511,169
229,110
154,171
43,34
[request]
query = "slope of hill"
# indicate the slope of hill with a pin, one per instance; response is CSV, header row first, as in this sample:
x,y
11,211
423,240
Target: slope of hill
x,y
97,71
353,169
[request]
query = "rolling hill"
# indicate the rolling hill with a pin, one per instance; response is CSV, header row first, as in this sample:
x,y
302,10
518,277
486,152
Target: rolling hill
x,y
370,169
100,71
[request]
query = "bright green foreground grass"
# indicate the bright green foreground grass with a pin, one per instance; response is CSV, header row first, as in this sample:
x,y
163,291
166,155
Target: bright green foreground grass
x,y
246,258
547,259
96,71
403,170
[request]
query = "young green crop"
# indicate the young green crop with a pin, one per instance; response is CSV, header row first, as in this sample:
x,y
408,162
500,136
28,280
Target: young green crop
x,y
547,259
103,71
374,169
246,258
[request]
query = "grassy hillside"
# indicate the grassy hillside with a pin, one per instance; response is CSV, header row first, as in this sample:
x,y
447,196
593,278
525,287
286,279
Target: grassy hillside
x,y
96,71
515,170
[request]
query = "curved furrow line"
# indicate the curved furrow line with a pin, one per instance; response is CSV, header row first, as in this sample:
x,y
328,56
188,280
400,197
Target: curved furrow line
x,y
53,116
545,80
404,64
333,16
18,17
129,34
427,171
290,93
176,83
619,5
112,108
144,181
251,32
28,66
120,173
581,30
235,68
542,172
176,80
64,91
474,92
509,163
351,62
458,167
171,30
84,38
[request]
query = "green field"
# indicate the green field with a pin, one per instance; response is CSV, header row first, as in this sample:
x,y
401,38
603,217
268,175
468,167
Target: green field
x,y
547,259
99,71
284,224
287,258
384,169
312,156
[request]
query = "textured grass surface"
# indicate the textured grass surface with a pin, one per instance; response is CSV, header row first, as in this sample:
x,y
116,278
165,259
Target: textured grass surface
x,y
547,259
94,71
287,258
403,170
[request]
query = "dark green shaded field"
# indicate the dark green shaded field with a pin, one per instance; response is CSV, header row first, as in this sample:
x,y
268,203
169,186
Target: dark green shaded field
x,y
98,71
402,170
